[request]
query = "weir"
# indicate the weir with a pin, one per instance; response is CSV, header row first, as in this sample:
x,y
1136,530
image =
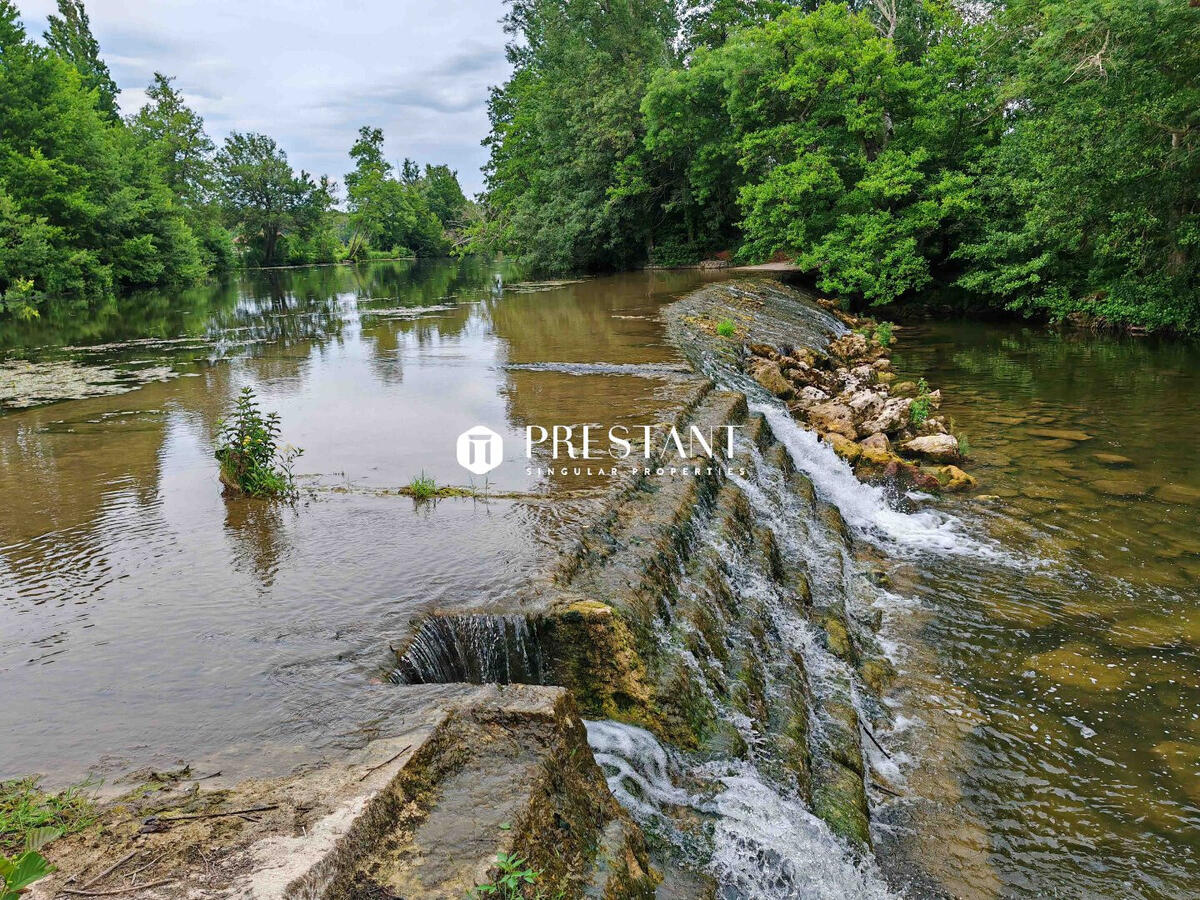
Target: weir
x,y
718,636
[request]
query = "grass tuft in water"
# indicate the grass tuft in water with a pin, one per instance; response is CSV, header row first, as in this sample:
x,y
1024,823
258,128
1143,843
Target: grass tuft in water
x,y
726,328
422,487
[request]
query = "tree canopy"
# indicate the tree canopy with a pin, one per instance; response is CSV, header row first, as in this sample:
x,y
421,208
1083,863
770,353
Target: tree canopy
x,y
1038,156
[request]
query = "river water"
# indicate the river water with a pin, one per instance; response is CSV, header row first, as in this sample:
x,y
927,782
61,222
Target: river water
x,y
1046,724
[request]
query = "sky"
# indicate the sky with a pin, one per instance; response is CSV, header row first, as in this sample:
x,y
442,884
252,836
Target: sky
x,y
309,73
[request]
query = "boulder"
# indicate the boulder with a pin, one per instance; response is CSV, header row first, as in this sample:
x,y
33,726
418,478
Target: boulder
x,y
843,446
810,396
770,377
883,364
865,404
952,478
864,374
849,348
935,425
1113,460
885,377
877,441
892,416
833,416
938,447
904,387
764,350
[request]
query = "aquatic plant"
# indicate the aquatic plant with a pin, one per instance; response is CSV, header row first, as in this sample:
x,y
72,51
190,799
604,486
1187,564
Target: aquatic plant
x,y
422,487
726,328
512,878
18,873
24,809
252,459
922,406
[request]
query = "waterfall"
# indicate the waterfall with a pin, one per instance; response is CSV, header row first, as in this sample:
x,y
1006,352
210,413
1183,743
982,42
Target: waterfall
x,y
479,648
764,845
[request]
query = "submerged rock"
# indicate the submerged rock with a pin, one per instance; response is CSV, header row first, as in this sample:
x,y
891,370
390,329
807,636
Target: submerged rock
x,y
1113,460
952,478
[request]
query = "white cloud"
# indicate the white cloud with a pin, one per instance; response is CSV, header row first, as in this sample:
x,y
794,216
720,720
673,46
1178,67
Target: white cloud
x,y
310,73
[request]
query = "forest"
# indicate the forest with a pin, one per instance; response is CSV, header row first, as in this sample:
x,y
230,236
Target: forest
x,y
93,203
1033,156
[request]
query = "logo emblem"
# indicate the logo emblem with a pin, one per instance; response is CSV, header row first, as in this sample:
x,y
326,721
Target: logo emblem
x,y
480,450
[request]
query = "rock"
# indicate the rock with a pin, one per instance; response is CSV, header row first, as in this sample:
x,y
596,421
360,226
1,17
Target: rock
x,y
864,374
885,377
954,479
904,387
833,416
810,396
988,498
1178,493
935,399
1124,488
882,364
764,350
865,404
1057,444
770,377
1113,460
843,446
938,447
892,416
874,458
936,425
849,348
1059,434
1079,666
877,441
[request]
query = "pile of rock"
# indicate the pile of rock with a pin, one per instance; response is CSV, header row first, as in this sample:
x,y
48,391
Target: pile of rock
x,y
850,397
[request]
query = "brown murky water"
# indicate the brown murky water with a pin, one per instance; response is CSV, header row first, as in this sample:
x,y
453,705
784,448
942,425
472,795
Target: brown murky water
x,y
144,618
1060,689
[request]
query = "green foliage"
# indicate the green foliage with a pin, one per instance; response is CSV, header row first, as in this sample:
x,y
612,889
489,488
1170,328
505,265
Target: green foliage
x,y
512,878
82,212
411,212
1042,155
70,36
884,333
565,124
922,404
422,487
17,874
726,328
26,810
251,457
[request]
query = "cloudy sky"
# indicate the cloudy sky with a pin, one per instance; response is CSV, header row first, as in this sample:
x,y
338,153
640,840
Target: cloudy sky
x,y
310,73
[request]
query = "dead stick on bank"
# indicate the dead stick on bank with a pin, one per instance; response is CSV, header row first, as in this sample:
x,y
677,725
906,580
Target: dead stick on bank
x,y
392,759
217,815
120,862
124,890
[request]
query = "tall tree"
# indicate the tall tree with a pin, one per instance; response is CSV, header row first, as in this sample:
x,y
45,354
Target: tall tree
x,y
70,36
564,124
261,193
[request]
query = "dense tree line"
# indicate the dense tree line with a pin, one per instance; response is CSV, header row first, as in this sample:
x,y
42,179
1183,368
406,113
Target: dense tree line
x,y
92,204
1035,155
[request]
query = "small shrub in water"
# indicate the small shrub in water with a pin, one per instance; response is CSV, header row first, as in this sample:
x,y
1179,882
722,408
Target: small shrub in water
x,y
884,333
726,328
251,457
922,406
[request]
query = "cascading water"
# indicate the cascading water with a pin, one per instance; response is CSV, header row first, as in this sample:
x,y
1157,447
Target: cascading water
x,y
759,839
479,649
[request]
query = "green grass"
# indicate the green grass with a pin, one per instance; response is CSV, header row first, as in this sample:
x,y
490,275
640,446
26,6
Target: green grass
x,y
24,808
422,487
512,877
726,328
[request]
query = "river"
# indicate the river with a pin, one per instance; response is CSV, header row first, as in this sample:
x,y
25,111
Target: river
x,y
1047,718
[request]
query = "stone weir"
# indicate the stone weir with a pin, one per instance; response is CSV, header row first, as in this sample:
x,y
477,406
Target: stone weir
x,y
720,608
713,615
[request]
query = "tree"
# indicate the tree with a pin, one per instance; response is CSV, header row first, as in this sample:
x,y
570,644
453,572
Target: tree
x,y
443,194
83,212
70,36
563,126
1090,203
262,195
